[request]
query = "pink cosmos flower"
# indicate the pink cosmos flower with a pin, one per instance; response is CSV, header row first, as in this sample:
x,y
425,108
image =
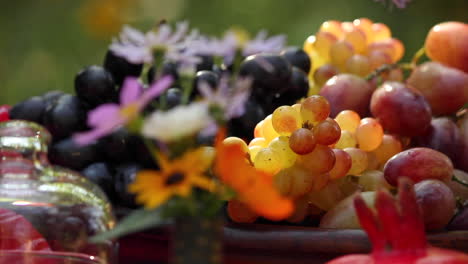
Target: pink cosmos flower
x,y
107,117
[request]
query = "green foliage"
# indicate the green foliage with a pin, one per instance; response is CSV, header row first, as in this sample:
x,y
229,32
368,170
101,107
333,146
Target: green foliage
x,y
43,43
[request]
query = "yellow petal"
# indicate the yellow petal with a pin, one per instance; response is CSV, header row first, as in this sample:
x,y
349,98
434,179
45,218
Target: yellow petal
x,y
202,182
163,161
184,190
198,160
156,200
146,179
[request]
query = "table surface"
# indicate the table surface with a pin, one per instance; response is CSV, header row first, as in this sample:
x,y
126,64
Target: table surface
x,y
272,244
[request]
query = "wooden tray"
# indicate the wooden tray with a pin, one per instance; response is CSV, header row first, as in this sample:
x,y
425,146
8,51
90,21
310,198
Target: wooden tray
x,y
273,244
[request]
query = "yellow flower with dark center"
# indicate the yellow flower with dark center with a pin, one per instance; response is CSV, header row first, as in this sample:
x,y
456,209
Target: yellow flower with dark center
x,y
176,177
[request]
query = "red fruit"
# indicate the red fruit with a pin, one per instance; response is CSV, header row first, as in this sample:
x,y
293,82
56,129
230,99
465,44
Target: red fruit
x,y
347,92
445,88
418,164
447,43
401,109
435,196
4,113
396,231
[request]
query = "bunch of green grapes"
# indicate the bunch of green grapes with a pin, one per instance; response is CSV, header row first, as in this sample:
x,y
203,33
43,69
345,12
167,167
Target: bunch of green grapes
x,y
357,47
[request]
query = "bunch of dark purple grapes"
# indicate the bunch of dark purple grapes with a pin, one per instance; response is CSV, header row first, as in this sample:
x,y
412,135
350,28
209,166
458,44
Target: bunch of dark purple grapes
x,y
113,161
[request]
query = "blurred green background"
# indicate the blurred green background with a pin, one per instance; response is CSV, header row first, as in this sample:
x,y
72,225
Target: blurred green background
x,y
45,42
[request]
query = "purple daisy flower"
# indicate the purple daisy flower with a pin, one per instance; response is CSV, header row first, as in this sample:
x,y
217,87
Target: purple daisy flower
x,y
263,44
230,99
224,48
137,47
398,3
107,117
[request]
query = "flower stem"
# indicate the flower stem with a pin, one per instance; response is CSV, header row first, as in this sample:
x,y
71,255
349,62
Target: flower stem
x,y
187,87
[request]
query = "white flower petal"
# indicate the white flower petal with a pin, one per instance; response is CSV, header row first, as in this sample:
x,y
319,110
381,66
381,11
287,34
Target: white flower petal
x,y
179,122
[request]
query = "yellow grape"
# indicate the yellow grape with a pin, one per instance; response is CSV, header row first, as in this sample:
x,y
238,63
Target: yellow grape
x,y
324,73
365,25
236,141
327,132
373,180
326,198
343,215
347,140
240,213
294,181
372,161
342,164
258,129
347,26
378,58
360,161
308,46
320,181
268,160
281,146
301,208
286,120
348,120
333,27
314,109
389,147
340,52
320,160
268,131
393,47
323,42
348,185
302,141
297,108
381,32
357,38
369,134
253,152
314,89
260,142
358,65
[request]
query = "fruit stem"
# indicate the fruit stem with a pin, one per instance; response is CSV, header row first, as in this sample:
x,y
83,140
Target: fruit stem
x,y
455,179
388,67
417,56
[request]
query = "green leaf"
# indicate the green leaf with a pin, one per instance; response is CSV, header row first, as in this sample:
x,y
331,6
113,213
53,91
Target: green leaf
x,y
138,220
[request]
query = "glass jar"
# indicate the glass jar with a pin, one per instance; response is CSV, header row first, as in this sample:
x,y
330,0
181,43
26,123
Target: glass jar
x,y
61,205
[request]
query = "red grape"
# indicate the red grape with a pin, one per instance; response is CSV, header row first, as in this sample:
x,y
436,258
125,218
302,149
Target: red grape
x,y
347,92
327,132
418,164
400,109
302,141
437,203
445,88
443,135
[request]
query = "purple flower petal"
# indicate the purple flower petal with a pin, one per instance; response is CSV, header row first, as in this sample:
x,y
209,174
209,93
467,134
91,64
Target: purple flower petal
x,y
88,137
205,90
154,90
131,91
103,114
